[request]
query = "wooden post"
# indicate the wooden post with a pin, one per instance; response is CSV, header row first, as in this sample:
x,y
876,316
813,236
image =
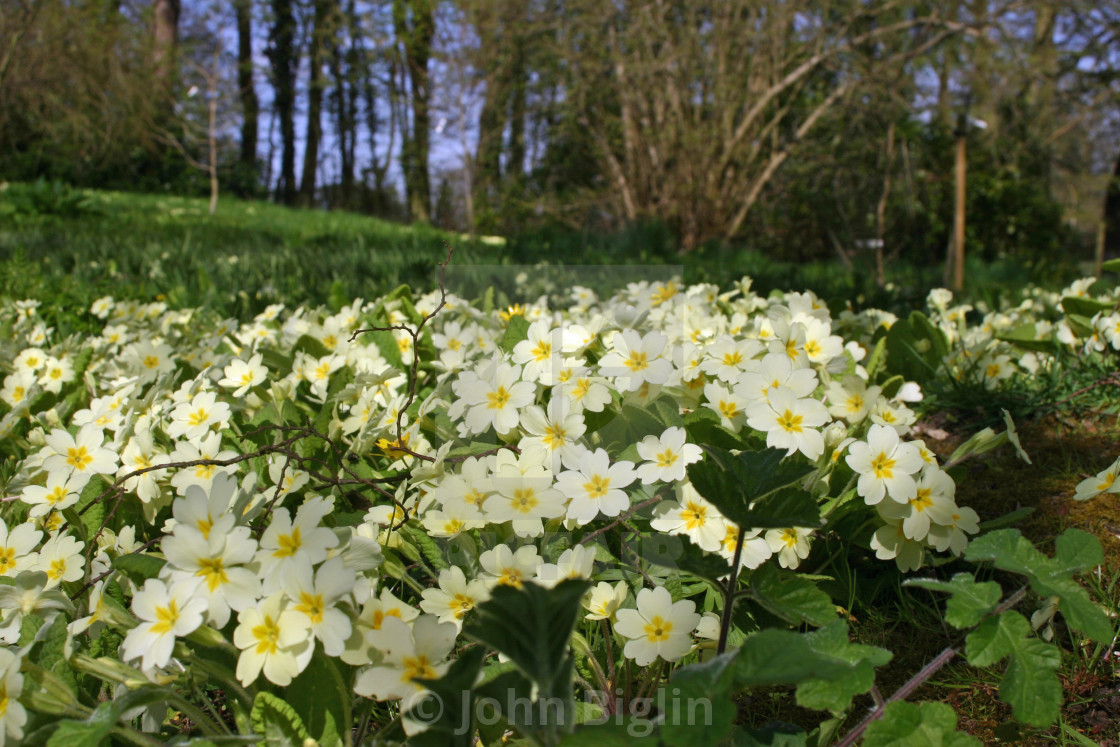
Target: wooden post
x,y
958,211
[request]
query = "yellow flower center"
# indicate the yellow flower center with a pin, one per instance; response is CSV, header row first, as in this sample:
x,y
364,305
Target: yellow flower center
x,y
854,403
498,399
667,458
694,515
312,606
728,409
78,458
150,361
922,501
525,499
267,635
461,604
732,359
883,466
812,348
198,417
658,629
417,667
790,422
542,350
288,544
7,559
213,571
637,361
597,487
789,537
511,577
166,617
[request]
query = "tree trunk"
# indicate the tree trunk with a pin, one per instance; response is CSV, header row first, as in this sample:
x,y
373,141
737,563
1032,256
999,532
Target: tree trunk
x,y
314,103
414,22
250,105
285,62
165,34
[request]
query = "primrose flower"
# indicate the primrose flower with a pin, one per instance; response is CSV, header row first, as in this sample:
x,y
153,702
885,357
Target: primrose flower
x,y
503,566
83,454
165,613
241,376
885,466
408,653
454,597
285,538
789,422
214,561
693,516
657,628
604,600
61,559
492,397
13,717
273,638
596,487
791,545
317,595
636,359
666,457
375,611
16,546
1107,481
193,420
61,492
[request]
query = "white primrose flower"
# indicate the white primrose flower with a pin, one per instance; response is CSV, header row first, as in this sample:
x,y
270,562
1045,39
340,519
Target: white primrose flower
x,y
13,717
885,466
61,559
933,503
84,453
666,457
756,550
215,561
408,653
286,538
29,595
574,563
791,545
637,359
789,422
166,613
852,399
16,547
61,492
241,376
1106,481
502,566
274,638
375,611
454,597
539,352
657,628
193,420
492,397
604,600
596,487
692,516
317,596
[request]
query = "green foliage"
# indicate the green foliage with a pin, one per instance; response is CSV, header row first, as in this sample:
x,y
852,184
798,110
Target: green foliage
x,y
753,488
277,722
1030,684
917,725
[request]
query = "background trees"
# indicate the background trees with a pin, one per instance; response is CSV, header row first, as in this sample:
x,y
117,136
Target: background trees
x,y
806,127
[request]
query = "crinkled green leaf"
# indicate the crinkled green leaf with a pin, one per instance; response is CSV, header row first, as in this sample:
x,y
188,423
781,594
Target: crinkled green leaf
x,y
320,696
791,596
516,330
1030,684
917,725
1085,307
835,693
532,626
276,721
699,709
744,488
448,725
139,566
703,427
970,600
1009,550
311,346
677,552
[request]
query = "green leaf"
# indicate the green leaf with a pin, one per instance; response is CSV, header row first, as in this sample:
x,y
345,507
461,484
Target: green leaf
x,y
698,708
52,654
1085,307
917,725
277,722
138,566
311,346
738,484
835,693
780,735
1030,684
1112,265
971,599
676,552
915,348
1008,550
320,697
532,626
791,596
431,551
516,330
449,714
703,427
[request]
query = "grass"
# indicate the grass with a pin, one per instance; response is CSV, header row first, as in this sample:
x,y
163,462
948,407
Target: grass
x,y
82,244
